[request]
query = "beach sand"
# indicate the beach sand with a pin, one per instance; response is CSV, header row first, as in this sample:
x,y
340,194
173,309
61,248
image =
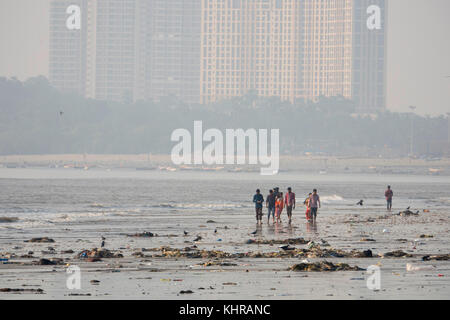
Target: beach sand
x,y
76,207
148,277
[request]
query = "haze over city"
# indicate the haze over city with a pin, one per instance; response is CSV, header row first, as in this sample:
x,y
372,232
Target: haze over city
x,y
418,67
251,150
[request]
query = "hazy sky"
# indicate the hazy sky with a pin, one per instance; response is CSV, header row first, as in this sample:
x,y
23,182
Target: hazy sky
x,y
418,49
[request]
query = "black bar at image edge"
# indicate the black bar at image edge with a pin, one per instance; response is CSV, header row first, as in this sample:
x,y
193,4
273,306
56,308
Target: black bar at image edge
x,y
228,309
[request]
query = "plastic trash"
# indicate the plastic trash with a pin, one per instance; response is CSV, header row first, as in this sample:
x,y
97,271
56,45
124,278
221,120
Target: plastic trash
x,y
311,244
305,261
411,267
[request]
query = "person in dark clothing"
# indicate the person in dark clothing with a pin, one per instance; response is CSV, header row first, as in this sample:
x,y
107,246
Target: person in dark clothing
x,y
258,199
389,194
270,204
276,192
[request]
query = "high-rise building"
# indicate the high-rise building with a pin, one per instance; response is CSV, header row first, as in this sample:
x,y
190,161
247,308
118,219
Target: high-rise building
x,y
369,57
67,54
127,50
294,49
250,45
169,49
115,43
207,50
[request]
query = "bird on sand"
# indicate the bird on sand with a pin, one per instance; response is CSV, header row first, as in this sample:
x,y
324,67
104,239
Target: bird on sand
x,y
185,233
360,203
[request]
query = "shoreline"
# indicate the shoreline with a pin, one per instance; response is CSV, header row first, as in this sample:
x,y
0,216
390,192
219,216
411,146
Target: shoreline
x,y
317,164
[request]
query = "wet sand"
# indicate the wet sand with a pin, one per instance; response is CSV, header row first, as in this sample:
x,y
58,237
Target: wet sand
x,y
144,276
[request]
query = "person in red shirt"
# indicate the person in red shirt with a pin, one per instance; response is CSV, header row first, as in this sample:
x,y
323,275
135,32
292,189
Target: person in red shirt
x,y
388,195
289,201
279,207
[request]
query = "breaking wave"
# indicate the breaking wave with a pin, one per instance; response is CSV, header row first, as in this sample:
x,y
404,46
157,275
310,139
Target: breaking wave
x,y
333,198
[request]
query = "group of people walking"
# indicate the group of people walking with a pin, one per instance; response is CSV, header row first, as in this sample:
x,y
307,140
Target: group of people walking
x,y
276,202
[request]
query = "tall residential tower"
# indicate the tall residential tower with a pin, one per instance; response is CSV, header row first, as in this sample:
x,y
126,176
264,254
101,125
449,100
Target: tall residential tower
x,y
207,50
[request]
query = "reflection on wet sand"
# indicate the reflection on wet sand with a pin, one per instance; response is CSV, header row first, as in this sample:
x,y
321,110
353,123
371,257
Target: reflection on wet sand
x,y
311,227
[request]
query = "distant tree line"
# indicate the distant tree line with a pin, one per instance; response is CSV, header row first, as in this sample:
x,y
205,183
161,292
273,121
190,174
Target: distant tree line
x,y
35,118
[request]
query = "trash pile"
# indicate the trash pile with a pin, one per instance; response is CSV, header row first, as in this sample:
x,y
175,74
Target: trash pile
x,y
397,254
323,266
273,241
408,213
219,263
41,240
8,219
314,252
144,234
49,262
411,267
14,290
98,253
438,257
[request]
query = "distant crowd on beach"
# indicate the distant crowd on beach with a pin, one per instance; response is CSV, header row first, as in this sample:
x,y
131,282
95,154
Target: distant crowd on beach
x,y
276,202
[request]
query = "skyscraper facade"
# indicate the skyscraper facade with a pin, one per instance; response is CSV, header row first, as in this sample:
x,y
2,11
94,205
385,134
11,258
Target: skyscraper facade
x,y
294,49
67,52
169,49
207,50
127,50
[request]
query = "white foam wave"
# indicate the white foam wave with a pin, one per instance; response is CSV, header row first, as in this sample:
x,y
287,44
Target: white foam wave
x,y
332,198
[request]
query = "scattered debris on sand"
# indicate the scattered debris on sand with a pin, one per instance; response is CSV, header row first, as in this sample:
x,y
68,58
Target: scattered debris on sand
x,y
144,234
397,254
367,240
314,252
8,219
286,247
323,266
438,257
49,262
275,241
408,213
186,291
41,240
411,267
98,253
426,236
22,290
219,263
